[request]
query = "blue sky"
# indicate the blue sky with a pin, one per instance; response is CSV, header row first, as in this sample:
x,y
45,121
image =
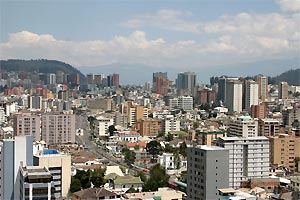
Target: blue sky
x,y
155,33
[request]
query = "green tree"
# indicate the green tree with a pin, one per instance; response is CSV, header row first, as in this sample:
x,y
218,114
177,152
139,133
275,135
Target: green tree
x,y
97,177
170,137
183,149
131,190
177,160
129,156
158,178
196,124
84,177
153,148
75,185
111,130
142,176
137,147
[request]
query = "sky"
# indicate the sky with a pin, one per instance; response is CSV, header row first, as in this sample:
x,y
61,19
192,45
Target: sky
x,y
172,33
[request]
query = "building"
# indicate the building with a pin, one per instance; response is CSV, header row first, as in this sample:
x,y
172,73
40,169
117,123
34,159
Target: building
x,y
100,103
263,92
205,96
207,171
284,149
90,78
171,124
258,111
135,113
98,79
185,103
251,94
13,153
186,81
95,194
35,102
27,124
160,83
58,128
295,183
230,193
234,96
283,90
147,127
2,115
244,126
51,79
59,166
208,137
248,158
103,124
289,115
36,183
268,127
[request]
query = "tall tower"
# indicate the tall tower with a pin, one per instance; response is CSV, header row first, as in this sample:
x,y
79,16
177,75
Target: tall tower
x,y
234,96
262,87
251,94
186,81
283,90
160,83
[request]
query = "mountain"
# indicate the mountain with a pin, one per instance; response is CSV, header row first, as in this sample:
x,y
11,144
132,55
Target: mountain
x,y
41,66
140,73
292,77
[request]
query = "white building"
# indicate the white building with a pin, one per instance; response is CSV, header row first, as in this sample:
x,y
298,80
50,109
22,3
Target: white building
x,y
103,124
234,96
251,94
207,171
2,115
248,158
171,124
185,102
244,126
167,161
173,103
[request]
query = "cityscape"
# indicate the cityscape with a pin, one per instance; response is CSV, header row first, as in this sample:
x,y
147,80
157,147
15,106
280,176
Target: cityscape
x,y
165,116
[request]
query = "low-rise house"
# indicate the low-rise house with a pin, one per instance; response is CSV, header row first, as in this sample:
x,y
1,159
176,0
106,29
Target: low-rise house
x,y
122,184
95,194
162,193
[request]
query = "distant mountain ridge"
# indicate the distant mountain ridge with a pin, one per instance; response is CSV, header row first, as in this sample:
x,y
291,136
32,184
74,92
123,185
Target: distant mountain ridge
x,y
41,66
291,76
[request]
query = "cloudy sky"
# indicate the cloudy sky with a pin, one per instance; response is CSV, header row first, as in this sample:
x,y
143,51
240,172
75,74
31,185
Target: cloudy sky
x,y
172,33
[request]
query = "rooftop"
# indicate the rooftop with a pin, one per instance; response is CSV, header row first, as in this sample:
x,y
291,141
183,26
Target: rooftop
x,y
209,148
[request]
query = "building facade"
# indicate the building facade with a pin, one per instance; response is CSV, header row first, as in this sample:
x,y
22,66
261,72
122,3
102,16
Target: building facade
x,y
27,124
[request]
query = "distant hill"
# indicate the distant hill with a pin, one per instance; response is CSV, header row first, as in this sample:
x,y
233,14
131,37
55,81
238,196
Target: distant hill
x,y
292,77
41,66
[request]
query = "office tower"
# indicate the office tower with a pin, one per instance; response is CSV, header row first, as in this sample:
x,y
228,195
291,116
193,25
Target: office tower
x,y
27,124
283,90
160,83
147,86
248,158
234,96
207,171
115,80
268,127
258,111
13,153
35,183
98,79
35,102
63,95
186,81
59,77
263,92
74,79
185,103
90,78
251,94
284,149
243,126
58,128
221,95
290,115
59,166
51,79
135,113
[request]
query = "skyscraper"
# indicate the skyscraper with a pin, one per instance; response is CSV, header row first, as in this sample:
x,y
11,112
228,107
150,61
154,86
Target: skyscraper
x,y
251,94
262,87
234,96
283,90
186,81
160,83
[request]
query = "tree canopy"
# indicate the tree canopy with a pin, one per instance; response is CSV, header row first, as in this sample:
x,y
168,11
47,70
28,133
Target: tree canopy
x,y
158,178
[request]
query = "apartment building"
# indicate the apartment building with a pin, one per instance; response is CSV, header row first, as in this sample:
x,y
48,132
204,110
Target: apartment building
x,y
147,127
207,171
58,128
27,124
284,149
243,126
171,124
208,137
268,127
248,158
103,124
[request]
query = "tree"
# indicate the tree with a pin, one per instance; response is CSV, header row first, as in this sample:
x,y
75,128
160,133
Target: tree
x,y
137,147
131,190
97,177
75,185
158,178
177,160
183,149
196,125
153,148
142,176
170,137
84,178
129,156
111,130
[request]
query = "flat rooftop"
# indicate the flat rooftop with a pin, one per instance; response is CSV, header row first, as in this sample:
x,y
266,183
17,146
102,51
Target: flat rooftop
x,y
210,148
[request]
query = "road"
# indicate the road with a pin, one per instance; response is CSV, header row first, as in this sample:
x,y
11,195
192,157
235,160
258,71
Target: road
x,y
100,153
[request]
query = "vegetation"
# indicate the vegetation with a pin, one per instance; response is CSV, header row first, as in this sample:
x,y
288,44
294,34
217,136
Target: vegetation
x,y
111,130
142,176
158,178
183,149
292,77
129,156
153,148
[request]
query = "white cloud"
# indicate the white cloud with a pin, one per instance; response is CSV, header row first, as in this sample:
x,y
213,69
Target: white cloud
x,y
289,5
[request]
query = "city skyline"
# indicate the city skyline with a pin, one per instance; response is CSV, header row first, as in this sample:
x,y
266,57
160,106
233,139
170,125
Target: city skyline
x,y
161,35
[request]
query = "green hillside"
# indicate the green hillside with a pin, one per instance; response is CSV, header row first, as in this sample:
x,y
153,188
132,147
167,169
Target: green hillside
x,y
292,77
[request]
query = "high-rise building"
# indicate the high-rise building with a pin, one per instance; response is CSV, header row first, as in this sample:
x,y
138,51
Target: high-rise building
x,y
234,96
207,171
283,90
243,126
13,154
27,124
284,149
185,103
251,94
258,111
171,124
35,102
90,78
262,87
59,166
58,128
103,125
160,83
147,127
115,80
51,79
248,158
98,79
186,81
290,115
135,113
268,127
